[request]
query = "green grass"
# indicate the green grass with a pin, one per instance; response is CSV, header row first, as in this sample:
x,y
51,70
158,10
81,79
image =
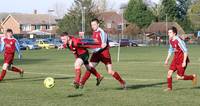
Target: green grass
x,y
142,68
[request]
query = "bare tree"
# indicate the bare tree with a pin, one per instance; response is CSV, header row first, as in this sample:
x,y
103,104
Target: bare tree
x,y
60,9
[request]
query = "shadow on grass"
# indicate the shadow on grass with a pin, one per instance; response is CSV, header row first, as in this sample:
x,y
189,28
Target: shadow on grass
x,y
39,78
197,87
74,95
139,86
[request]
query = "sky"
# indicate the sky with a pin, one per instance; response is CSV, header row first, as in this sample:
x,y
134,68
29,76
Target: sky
x,y
42,6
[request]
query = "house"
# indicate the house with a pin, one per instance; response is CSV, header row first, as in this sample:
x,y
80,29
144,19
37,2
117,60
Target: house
x,y
112,22
157,31
161,27
23,24
2,18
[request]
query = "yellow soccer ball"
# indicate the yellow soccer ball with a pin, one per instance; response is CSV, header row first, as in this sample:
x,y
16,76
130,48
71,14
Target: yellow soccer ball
x,y
49,82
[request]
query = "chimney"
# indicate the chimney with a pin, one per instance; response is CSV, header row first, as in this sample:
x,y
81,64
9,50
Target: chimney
x,y
35,11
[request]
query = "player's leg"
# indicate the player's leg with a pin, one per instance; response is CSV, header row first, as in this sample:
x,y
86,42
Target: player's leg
x,y
16,69
116,75
181,75
3,72
169,80
99,77
94,61
77,66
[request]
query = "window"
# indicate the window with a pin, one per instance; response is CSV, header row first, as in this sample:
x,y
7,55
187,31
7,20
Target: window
x,y
25,27
37,27
119,27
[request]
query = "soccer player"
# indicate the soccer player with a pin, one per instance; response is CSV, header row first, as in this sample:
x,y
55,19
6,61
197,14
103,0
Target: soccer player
x,y
180,59
82,55
102,54
9,45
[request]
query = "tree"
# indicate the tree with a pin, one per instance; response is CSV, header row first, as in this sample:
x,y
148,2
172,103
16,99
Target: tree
x,y
60,9
182,7
132,30
71,22
169,10
194,15
138,13
156,10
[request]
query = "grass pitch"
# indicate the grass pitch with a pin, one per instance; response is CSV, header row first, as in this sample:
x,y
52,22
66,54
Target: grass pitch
x,y
141,67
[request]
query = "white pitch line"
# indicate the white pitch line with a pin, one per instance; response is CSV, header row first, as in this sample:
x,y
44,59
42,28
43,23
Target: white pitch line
x,y
67,75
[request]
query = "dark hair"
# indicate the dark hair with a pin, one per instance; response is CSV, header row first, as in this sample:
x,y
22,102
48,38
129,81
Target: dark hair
x,y
95,20
174,29
9,30
64,34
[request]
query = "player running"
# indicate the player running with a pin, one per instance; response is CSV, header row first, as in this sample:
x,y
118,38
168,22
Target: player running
x,y
9,45
103,54
82,55
180,59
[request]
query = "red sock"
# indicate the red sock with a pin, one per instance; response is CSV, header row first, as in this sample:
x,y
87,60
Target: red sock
x,y
3,73
188,77
15,69
169,82
117,77
85,77
77,75
94,72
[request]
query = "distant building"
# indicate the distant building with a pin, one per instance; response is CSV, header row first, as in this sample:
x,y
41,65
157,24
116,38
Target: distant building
x,y
112,22
25,23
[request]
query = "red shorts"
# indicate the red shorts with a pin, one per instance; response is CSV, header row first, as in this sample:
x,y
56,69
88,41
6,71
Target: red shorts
x,y
175,66
8,58
103,56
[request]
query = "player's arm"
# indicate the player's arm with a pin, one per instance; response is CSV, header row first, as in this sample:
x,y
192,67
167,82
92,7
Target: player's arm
x,y
170,51
17,46
2,46
104,39
182,45
88,43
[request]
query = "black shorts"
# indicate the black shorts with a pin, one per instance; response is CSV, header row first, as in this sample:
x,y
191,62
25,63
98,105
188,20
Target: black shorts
x,y
84,57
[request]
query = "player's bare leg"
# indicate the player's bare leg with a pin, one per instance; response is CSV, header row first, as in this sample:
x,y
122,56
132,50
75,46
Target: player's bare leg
x,y
169,80
3,73
77,66
99,77
116,75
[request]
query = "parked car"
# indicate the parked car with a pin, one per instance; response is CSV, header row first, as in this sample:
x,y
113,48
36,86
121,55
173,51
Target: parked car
x,y
22,47
56,42
127,42
29,45
113,43
43,43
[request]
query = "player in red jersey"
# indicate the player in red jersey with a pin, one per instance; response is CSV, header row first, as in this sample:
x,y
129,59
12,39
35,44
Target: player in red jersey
x,y
102,54
180,59
82,55
9,45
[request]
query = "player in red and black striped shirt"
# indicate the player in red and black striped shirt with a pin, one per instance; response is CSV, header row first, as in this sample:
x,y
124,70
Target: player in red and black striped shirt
x,y
82,55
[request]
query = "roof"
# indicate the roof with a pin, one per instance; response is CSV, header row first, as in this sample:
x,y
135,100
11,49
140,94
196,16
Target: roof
x,y
161,27
111,16
35,19
3,16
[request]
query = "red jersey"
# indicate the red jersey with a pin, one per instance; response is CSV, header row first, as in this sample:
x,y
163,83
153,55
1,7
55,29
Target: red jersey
x,y
100,37
179,48
77,51
9,45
